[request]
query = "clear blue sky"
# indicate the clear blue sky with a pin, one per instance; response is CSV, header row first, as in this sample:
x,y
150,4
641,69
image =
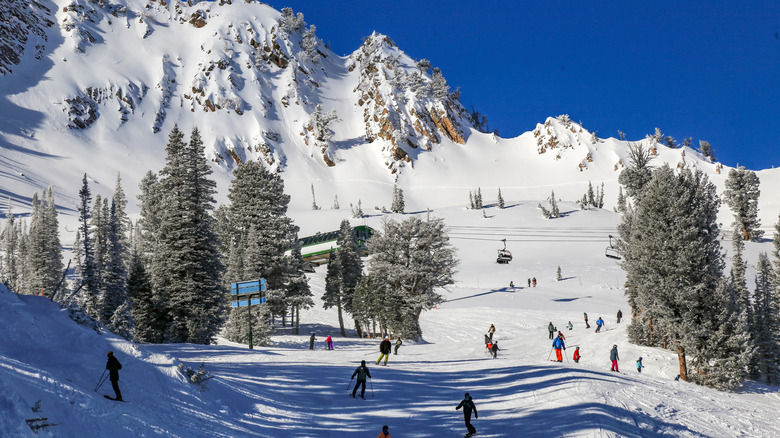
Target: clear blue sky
x,y
705,69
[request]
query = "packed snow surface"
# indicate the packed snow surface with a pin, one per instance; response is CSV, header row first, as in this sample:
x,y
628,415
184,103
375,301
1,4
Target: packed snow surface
x,y
286,390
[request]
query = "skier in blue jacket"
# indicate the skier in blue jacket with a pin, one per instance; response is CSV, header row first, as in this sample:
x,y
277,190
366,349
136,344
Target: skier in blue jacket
x,y
558,344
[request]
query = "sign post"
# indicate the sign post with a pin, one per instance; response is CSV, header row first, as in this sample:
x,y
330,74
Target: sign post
x,y
248,292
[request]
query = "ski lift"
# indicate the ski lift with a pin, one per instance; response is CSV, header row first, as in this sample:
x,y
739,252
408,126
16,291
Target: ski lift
x,y
504,256
611,251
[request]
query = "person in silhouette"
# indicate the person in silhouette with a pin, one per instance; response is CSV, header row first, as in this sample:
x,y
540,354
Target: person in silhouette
x,y
468,406
362,372
619,315
311,341
385,433
494,349
551,329
587,326
113,366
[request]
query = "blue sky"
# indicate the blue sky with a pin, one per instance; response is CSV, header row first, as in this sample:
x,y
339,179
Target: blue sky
x,y
706,70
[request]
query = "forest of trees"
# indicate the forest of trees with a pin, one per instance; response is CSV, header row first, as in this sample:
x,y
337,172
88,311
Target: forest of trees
x,y
681,299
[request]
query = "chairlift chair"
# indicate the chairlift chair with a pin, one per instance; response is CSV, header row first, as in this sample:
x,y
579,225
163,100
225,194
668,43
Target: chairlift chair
x,y
504,256
611,251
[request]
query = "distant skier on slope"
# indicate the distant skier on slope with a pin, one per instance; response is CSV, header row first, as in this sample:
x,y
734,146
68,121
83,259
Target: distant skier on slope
x,y
639,365
491,330
569,325
362,372
587,326
534,281
398,343
494,349
329,341
599,323
619,316
613,356
311,341
576,356
558,344
551,329
468,405
384,348
113,366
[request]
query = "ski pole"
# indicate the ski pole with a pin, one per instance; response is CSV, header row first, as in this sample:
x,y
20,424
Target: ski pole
x,y
101,380
372,386
548,356
567,355
349,385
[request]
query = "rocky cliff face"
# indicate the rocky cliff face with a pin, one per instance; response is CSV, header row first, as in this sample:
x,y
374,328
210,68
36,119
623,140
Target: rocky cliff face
x,y
23,26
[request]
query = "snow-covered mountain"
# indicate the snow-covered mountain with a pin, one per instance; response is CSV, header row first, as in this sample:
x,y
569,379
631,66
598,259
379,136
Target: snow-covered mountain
x,y
95,86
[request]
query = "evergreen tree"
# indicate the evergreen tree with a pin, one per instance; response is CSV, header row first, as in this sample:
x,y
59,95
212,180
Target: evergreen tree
x,y
350,266
558,276
638,172
314,205
298,291
99,233
357,211
151,205
621,201
600,197
115,276
591,197
706,149
336,202
673,270
10,243
398,200
472,205
766,316
413,258
146,310
554,212
186,264
332,296
478,199
501,204
741,195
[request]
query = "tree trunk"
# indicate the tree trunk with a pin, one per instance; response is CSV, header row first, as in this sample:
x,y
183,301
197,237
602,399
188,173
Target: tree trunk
x,y
358,329
650,332
297,311
683,364
341,318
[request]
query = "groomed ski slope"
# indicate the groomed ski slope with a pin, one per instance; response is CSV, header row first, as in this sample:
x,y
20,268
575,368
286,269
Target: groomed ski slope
x,y
286,390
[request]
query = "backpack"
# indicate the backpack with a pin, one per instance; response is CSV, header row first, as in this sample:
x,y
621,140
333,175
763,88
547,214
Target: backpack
x,y
490,345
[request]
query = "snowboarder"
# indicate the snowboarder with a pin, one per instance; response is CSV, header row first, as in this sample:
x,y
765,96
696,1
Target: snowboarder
x,y
551,329
362,372
512,285
113,366
569,326
329,341
491,330
398,343
639,365
599,323
384,348
494,349
558,344
587,326
613,356
385,433
468,405
576,356
619,315
311,342
534,281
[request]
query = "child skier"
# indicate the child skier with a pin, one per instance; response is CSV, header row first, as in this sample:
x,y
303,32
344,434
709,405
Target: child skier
x,y
577,355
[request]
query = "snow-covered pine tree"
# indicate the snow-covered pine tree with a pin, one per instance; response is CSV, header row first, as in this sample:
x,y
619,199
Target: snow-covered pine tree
x,y
289,21
478,198
741,195
621,201
98,232
257,200
739,286
397,205
500,201
115,275
472,205
600,197
125,225
332,295
147,312
298,290
558,276
54,267
151,205
672,272
706,149
319,126
545,212
439,87
35,262
186,264
357,211
336,202
314,205
309,45
591,196
554,212
583,203
10,243
351,266
637,173
766,314
413,258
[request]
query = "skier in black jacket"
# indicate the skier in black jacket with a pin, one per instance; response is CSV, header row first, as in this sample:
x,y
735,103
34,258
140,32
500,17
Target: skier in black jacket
x,y
468,405
113,366
384,348
361,372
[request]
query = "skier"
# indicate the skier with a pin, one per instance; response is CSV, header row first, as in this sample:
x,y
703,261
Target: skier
x,y
534,281
569,326
385,433
113,366
599,323
613,356
512,285
619,315
384,348
494,349
576,355
468,405
398,343
558,344
329,341
529,282
491,330
639,365
487,341
361,372
551,329
560,335
587,326
311,341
